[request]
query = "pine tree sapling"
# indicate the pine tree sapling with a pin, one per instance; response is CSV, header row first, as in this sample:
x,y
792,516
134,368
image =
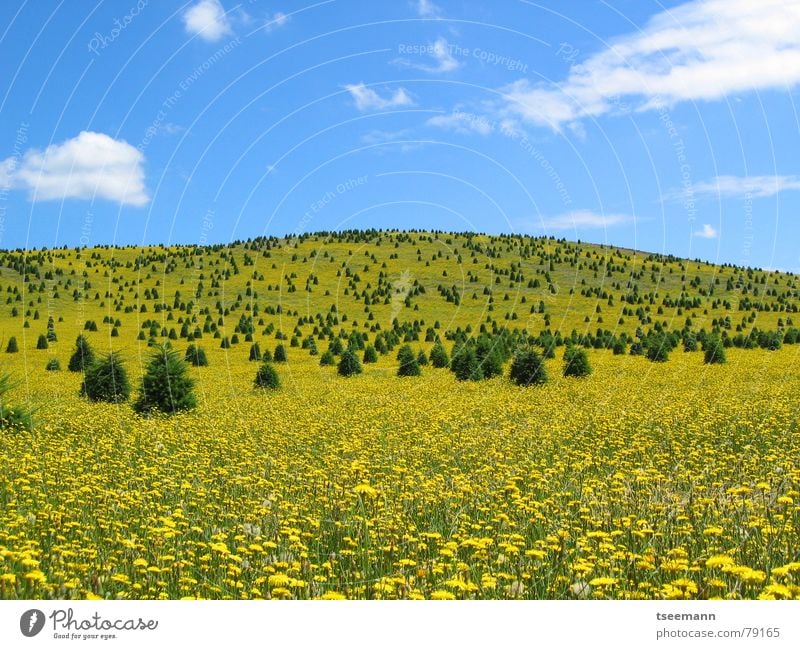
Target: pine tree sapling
x,y
370,354
82,357
528,368
12,416
439,357
714,352
267,376
409,366
465,364
196,355
166,384
106,380
576,362
12,347
280,354
349,364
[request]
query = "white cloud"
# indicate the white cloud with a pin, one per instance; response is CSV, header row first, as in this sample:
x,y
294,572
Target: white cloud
x,y
755,186
207,19
366,98
87,166
701,50
707,232
278,19
439,51
427,8
464,123
577,220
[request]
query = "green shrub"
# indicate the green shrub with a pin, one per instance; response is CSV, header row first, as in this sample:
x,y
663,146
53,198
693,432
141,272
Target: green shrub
x,y
166,385
409,366
619,348
106,380
528,368
12,347
349,364
439,357
280,354
576,362
41,343
53,365
267,376
370,355
327,358
465,364
714,352
12,417
82,357
255,352
658,348
196,356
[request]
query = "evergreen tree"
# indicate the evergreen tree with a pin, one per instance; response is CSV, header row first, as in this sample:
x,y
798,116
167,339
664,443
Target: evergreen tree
x,y
465,364
166,385
267,376
528,368
82,357
370,355
439,357
408,362
576,362
106,380
12,416
255,352
41,343
349,364
280,354
714,352
12,347
196,355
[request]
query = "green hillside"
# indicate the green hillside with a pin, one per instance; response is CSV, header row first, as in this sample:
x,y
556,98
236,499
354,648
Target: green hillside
x,y
421,285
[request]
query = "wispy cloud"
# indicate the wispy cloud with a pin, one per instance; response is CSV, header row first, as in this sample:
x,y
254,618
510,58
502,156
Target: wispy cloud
x,y
207,19
426,8
576,220
754,186
440,56
706,232
462,122
277,20
368,99
87,166
701,50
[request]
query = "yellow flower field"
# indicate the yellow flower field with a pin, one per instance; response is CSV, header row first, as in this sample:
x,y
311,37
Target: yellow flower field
x,y
675,480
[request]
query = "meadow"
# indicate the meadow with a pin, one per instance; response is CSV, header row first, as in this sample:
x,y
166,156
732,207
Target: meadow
x,y
676,479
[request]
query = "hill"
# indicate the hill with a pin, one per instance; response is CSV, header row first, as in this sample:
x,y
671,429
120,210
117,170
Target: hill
x,y
421,285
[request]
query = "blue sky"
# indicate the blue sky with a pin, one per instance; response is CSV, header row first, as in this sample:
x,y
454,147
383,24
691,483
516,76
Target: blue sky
x,y
668,127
